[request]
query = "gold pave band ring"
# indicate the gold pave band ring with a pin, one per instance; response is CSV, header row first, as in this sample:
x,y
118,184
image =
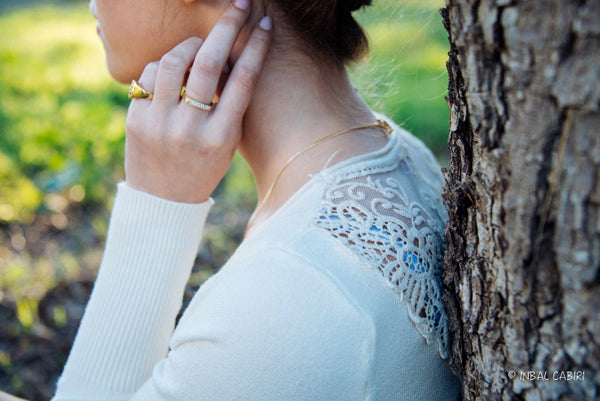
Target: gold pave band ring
x,y
195,103
137,92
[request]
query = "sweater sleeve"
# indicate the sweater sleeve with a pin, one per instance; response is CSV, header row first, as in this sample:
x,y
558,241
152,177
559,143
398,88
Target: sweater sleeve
x,y
150,249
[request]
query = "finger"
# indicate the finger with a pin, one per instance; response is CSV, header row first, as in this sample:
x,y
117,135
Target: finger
x,y
213,54
148,78
222,81
240,85
172,70
147,81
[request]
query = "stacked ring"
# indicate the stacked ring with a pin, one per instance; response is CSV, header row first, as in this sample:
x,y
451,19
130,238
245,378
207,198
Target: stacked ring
x,y
137,92
195,103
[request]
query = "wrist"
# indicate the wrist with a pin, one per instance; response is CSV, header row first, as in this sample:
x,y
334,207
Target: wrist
x,y
169,194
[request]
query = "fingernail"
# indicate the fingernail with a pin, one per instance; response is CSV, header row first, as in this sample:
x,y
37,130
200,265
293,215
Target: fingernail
x,y
265,23
242,4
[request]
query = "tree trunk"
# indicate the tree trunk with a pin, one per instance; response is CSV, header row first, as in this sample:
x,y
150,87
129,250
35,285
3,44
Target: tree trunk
x,y
522,281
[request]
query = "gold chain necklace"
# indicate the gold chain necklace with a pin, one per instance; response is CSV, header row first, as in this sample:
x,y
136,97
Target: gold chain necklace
x,y
379,124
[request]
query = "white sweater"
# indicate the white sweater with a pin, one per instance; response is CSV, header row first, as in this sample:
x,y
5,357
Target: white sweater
x,y
335,297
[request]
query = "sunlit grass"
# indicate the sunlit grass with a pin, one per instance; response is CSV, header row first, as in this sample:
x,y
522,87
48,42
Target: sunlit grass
x,y
62,136
56,45
60,123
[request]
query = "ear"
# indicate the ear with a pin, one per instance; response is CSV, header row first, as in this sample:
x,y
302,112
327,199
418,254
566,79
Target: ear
x,y
188,1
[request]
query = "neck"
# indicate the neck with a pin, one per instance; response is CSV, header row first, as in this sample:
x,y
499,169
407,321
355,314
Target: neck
x,y
292,107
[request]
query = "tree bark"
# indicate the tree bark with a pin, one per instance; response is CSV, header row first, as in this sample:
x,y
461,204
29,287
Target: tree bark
x,y
522,281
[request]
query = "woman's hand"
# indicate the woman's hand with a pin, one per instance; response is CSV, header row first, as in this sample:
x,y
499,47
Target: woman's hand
x,y
174,150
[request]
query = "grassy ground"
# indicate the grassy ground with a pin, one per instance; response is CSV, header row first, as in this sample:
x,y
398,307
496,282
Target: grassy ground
x,y
61,152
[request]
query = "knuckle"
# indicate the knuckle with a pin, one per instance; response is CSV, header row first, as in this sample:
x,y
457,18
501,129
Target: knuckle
x,y
171,61
150,70
261,39
142,125
194,41
180,141
247,77
134,126
238,108
208,65
230,20
179,132
208,144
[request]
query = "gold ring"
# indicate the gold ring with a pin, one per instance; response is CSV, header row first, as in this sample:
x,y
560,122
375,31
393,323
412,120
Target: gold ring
x,y
137,92
195,103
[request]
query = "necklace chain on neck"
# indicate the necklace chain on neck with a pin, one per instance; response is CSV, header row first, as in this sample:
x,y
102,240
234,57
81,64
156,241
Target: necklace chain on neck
x,y
379,124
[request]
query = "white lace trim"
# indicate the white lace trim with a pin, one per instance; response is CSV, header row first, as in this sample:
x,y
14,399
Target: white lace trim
x,y
375,220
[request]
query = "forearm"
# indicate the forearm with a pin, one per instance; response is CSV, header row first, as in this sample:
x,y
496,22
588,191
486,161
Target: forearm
x,y
151,246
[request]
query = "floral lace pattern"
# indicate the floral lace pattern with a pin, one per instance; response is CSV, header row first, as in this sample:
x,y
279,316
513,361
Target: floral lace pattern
x,y
374,218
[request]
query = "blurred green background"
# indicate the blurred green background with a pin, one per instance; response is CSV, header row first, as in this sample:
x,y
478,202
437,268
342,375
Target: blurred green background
x,y
61,154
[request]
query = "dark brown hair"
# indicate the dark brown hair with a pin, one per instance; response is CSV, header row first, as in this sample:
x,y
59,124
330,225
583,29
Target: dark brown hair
x,y
327,27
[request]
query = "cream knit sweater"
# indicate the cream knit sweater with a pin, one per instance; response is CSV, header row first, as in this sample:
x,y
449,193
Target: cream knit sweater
x,y
334,297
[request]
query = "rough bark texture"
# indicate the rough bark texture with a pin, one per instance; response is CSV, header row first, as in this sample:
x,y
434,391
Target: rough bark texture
x,y
522,283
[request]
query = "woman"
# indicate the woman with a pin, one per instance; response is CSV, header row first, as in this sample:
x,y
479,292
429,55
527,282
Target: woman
x,y
334,292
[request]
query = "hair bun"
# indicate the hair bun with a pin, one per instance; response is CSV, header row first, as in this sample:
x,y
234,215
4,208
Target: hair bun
x,y
353,5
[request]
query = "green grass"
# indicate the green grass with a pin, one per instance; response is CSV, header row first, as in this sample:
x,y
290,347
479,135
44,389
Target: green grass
x,y
61,116
61,143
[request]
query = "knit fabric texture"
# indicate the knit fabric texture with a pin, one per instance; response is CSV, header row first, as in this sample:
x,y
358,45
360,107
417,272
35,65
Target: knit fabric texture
x,y
336,296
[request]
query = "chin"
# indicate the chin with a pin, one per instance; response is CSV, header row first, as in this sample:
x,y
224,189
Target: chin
x,y
120,76
119,73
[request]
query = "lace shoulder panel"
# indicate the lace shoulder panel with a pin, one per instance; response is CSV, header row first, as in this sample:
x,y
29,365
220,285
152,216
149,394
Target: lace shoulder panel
x,y
373,217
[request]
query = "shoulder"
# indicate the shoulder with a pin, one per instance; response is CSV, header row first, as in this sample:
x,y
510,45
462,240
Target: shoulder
x,y
388,212
422,165
278,287
411,142
275,315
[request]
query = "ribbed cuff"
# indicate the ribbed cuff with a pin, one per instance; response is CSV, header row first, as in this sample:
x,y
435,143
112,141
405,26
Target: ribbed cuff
x,y
172,224
150,250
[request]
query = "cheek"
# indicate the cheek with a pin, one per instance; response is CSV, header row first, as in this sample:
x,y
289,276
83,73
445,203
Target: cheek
x,y
123,34
133,39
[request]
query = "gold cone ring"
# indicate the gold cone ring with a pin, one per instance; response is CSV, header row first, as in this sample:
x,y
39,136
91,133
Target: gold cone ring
x,y
195,103
137,92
